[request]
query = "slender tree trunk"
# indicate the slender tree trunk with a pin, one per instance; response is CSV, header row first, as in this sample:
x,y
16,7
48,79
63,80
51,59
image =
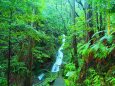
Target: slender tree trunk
x,y
9,57
30,61
97,20
108,23
101,22
28,79
9,52
101,25
89,15
74,36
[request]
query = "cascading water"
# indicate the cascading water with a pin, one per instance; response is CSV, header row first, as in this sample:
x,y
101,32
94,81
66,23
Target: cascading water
x,y
59,57
58,61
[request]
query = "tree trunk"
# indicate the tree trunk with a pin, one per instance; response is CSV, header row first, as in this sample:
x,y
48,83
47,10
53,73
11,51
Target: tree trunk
x,y
28,79
74,36
9,52
89,19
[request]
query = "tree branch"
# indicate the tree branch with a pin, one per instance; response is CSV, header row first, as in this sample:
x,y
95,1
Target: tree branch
x,y
72,9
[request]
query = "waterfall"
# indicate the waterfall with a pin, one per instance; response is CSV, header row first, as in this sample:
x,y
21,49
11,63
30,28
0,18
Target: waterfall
x,y
59,57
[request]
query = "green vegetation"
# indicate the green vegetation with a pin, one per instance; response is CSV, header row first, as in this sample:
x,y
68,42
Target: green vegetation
x,y
31,33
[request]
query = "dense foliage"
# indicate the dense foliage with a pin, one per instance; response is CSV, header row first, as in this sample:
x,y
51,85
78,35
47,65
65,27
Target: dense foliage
x,y
30,35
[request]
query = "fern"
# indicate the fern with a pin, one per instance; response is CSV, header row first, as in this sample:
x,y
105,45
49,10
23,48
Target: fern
x,y
84,50
93,78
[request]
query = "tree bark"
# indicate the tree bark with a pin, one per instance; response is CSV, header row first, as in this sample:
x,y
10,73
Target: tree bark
x,y
9,51
74,43
89,22
28,81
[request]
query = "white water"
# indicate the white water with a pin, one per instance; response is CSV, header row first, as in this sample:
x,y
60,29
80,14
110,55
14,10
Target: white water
x,y
59,57
58,62
40,77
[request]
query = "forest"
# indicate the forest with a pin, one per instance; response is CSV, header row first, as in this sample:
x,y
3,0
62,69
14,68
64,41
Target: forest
x,y
57,42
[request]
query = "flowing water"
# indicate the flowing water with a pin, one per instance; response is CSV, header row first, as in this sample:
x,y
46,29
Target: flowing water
x,y
58,62
59,57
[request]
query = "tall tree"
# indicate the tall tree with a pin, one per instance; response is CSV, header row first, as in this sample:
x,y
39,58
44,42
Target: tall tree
x,y
74,43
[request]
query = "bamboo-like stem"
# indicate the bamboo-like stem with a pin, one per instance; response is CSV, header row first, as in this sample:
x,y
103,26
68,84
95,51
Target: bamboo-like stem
x,y
108,27
108,19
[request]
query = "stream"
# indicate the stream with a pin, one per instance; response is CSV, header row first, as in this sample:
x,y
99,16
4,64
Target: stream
x,y
57,63
59,57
